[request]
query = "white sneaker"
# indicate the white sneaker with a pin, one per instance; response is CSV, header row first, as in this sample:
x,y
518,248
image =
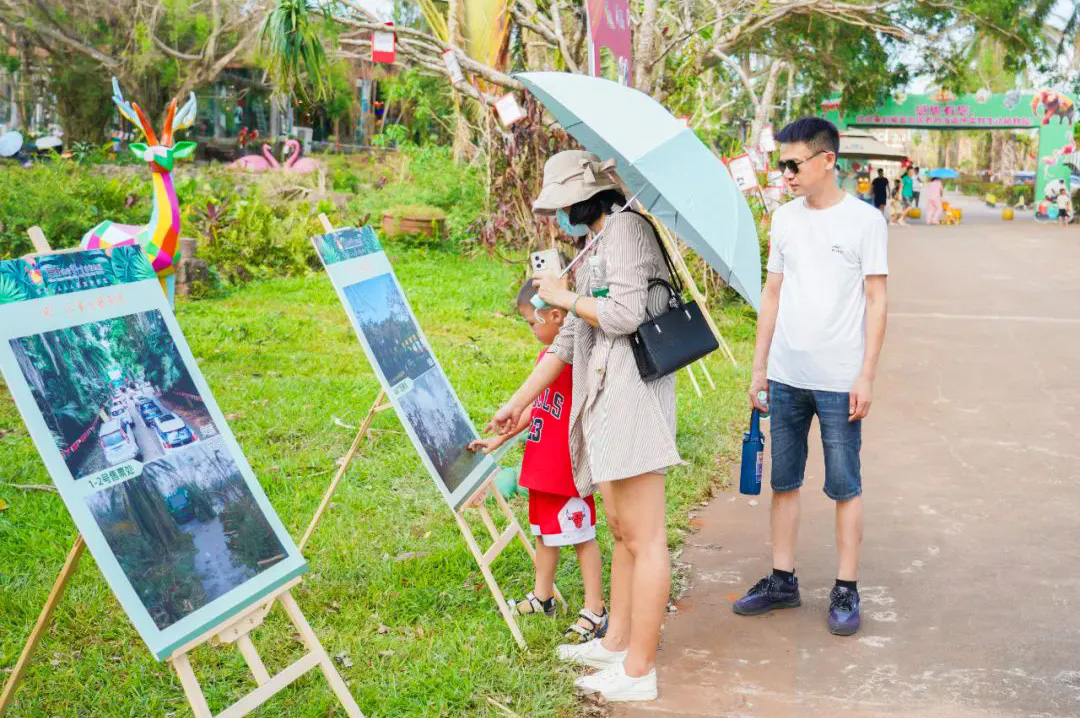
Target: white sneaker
x,y
616,687
591,653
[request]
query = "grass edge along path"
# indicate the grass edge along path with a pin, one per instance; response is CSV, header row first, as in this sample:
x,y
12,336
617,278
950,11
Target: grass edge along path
x,y
392,591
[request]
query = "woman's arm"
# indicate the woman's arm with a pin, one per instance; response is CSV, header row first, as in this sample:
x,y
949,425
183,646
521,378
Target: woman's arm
x,y
629,254
543,374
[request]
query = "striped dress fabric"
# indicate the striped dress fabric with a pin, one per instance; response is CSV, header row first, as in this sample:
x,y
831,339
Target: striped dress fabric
x,y
620,426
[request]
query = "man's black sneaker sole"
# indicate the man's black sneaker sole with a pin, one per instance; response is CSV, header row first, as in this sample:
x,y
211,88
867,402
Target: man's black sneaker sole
x,y
787,604
844,631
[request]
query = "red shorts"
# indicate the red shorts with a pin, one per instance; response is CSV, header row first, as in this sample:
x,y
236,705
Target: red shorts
x,y
562,520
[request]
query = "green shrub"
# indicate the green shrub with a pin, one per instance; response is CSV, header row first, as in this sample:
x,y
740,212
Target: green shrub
x,y
65,200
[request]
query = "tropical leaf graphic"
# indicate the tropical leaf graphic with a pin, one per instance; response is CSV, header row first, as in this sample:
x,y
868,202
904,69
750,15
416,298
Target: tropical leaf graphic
x,y
130,264
10,291
18,272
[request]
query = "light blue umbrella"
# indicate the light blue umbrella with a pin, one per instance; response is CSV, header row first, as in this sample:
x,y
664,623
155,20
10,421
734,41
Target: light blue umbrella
x,y
942,173
680,181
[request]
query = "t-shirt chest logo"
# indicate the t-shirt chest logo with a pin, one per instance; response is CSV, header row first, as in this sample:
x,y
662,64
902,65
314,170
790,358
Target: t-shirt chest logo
x,y
837,248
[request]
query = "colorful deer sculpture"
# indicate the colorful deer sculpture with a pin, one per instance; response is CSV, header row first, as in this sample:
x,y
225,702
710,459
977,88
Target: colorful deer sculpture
x,y
158,236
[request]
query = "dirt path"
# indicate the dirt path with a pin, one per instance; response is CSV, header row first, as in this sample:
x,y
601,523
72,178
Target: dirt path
x,y
213,562
969,578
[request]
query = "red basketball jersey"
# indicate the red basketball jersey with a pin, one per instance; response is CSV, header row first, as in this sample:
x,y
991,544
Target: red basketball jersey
x,y
547,465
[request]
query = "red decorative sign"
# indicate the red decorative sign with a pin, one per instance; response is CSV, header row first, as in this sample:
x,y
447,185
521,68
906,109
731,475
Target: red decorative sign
x,y
609,28
383,45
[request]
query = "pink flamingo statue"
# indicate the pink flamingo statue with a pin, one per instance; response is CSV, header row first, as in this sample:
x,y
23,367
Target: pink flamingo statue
x,y
254,163
295,163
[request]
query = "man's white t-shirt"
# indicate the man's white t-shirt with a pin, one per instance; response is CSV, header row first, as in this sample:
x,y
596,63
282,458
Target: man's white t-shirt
x,y
824,254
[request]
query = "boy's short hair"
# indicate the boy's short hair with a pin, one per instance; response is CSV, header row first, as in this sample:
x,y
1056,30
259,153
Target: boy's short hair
x,y
525,294
816,132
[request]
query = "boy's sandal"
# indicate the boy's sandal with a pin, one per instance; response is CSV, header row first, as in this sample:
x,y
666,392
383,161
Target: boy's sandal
x,y
535,605
597,629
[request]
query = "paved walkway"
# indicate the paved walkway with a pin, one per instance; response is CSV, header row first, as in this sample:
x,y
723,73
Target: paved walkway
x,y
971,572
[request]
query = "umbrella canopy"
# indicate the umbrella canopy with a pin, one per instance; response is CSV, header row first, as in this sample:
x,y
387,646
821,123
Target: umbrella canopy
x,y
48,142
864,146
10,143
942,173
676,177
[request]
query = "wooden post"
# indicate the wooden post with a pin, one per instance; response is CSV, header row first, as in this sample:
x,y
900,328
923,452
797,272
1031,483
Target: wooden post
x,y
44,618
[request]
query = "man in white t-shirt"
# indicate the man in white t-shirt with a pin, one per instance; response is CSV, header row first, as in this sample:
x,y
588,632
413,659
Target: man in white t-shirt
x,y
819,334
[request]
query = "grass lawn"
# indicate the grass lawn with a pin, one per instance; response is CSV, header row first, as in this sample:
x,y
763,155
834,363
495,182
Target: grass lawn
x,y
391,588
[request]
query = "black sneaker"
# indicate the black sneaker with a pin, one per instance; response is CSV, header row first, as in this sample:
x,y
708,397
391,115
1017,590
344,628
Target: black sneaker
x,y
768,593
844,617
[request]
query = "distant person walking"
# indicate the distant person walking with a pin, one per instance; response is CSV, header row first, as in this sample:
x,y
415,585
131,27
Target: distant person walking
x,y
935,192
907,188
1063,208
819,335
880,189
916,184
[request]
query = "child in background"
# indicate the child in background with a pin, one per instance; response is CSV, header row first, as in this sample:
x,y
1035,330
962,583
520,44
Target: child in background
x,y
1063,208
559,517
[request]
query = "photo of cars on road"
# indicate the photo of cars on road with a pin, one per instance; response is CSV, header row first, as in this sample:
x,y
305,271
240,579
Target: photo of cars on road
x,y
112,391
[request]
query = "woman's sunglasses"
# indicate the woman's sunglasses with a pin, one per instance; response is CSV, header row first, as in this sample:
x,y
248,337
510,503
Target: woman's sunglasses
x,y
793,165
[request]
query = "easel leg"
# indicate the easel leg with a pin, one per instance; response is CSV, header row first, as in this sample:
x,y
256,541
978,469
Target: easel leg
x,y
191,687
693,379
496,592
705,371
251,657
337,684
375,409
44,618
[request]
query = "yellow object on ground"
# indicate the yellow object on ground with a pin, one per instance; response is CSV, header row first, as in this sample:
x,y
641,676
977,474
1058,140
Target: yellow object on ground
x,y
1006,213
914,212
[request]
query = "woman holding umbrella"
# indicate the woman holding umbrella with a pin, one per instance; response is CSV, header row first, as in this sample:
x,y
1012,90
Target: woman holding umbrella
x,y
622,430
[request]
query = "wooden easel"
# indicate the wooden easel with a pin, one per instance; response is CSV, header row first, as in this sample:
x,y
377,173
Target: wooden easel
x,y
235,630
484,559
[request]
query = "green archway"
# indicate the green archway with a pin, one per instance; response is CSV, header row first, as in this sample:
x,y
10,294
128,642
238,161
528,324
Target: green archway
x,y
1052,112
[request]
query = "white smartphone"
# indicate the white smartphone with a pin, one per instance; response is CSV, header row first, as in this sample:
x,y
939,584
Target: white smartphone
x,y
545,262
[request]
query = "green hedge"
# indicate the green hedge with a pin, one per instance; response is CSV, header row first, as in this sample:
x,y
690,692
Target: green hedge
x,y
1011,195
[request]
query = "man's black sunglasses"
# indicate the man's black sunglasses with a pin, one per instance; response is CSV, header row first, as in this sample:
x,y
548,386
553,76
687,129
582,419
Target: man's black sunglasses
x,y
793,165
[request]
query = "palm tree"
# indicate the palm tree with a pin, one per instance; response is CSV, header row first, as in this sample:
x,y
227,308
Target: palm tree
x,y
292,51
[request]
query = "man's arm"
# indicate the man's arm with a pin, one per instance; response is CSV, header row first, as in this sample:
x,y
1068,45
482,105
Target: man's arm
x,y
766,325
862,393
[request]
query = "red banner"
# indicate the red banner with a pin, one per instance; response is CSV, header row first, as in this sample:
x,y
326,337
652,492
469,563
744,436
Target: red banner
x,y
82,439
609,28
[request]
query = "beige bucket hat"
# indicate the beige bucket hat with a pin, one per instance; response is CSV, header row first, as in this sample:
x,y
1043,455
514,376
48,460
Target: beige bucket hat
x,y
573,176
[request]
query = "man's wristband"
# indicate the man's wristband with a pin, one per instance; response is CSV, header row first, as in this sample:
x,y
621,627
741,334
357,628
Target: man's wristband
x,y
573,305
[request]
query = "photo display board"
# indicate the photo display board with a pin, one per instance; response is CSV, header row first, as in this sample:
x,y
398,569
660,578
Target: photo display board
x,y
136,445
401,356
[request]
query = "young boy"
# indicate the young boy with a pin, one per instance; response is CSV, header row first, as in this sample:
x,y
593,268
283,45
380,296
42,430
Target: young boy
x,y
559,517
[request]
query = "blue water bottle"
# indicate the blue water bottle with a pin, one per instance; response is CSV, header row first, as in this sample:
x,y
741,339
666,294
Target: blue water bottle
x,y
753,453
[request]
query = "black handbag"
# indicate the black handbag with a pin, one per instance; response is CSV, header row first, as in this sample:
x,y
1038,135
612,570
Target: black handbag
x,y
680,336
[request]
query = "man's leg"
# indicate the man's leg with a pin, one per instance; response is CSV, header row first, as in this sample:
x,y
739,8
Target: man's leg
x,y
790,412
849,530
842,443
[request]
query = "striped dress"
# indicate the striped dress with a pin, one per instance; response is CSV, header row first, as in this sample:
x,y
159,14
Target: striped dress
x,y
620,426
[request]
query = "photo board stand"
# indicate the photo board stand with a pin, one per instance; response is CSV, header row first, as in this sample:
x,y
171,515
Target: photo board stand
x,y
474,503
234,630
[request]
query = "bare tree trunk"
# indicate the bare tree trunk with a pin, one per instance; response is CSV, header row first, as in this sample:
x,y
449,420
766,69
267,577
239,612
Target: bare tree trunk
x,y
461,128
763,109
644,52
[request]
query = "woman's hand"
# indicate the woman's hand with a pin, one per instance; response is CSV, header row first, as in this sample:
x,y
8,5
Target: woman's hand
x,y
553,291
505,419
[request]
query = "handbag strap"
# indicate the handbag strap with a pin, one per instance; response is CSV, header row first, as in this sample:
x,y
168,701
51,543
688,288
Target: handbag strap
x,y
675,281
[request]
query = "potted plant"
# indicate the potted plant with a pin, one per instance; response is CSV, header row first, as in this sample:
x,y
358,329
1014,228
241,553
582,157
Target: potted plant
x,y
414,220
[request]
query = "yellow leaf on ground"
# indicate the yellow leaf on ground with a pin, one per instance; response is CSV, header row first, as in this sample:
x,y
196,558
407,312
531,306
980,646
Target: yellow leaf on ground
x,y
3,505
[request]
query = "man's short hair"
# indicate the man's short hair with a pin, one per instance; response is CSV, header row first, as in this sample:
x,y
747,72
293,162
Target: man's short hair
x,y
815,132
881,172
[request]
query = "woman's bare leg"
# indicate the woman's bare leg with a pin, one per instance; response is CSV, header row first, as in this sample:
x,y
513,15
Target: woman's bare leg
x,y
622,575
639,501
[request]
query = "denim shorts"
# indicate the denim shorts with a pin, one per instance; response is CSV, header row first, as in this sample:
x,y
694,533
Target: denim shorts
x,y
790,412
